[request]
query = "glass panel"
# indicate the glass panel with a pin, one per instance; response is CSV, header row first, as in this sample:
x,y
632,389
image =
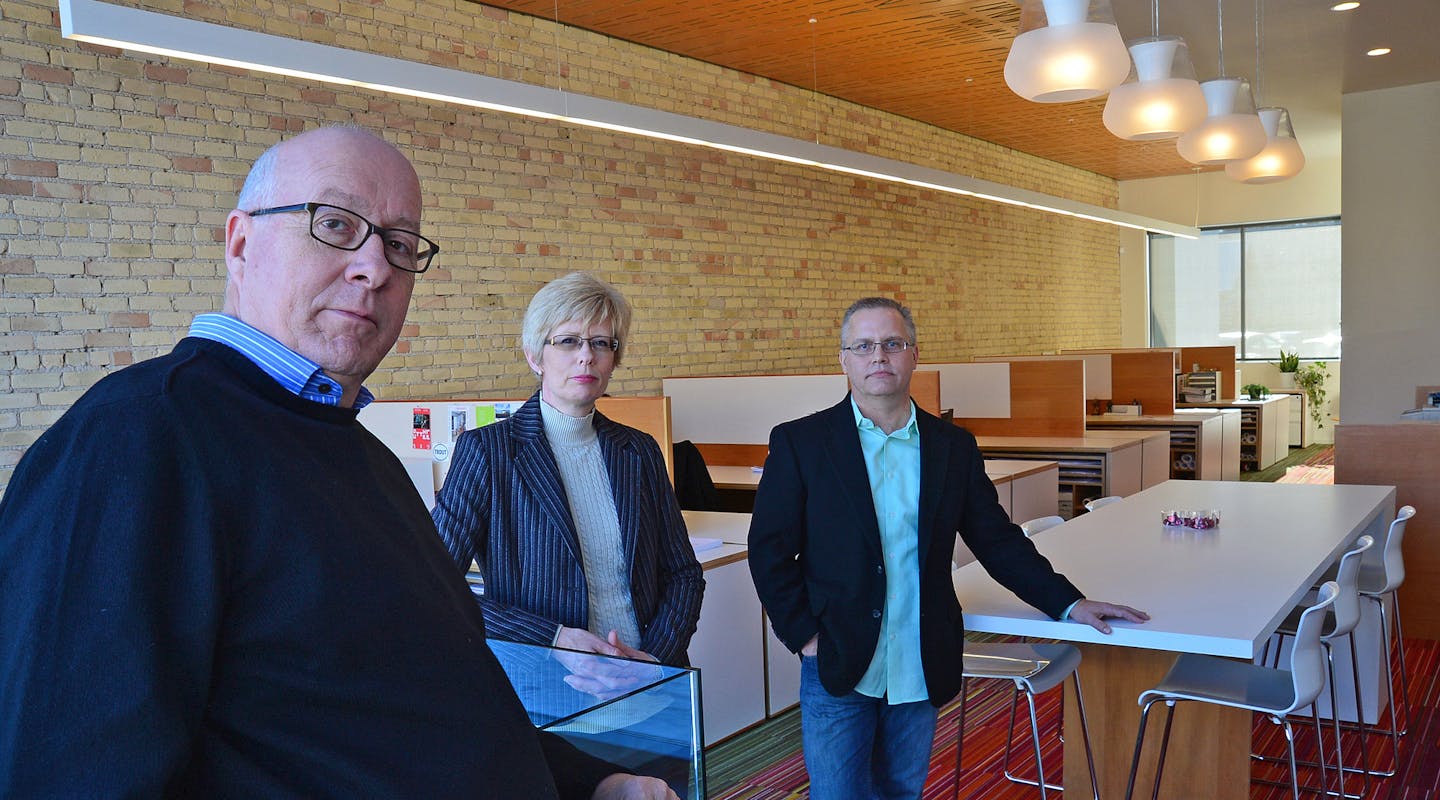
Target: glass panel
x,y
638,714
1195,290
1290,297
1292,290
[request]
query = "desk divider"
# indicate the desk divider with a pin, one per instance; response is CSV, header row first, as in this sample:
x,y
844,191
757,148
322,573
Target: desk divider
x,y
1047,398
1147,377
729,417
1220,358
427,429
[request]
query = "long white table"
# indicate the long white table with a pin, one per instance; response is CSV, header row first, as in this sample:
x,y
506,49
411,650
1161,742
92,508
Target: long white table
x,y
1220,592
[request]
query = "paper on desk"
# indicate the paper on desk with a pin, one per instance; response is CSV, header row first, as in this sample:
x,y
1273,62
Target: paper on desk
x,y
703,543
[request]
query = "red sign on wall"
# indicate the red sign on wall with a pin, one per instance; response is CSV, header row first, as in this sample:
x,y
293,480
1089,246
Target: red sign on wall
x,y
420,435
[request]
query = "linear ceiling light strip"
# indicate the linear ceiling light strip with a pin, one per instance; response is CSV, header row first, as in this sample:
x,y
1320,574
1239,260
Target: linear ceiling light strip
x,y
166,35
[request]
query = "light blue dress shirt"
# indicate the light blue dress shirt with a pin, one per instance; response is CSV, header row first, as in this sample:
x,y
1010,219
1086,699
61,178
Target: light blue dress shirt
x,y
299,375
892,462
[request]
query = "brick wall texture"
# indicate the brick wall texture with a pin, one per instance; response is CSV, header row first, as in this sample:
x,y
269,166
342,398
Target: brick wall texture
x,y
119,168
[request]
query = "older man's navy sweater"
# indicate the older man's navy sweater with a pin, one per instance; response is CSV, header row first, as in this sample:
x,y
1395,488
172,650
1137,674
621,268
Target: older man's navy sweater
x,y
210,587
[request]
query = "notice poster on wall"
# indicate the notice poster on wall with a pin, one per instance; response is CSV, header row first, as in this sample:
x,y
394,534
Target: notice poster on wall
x,y
420,428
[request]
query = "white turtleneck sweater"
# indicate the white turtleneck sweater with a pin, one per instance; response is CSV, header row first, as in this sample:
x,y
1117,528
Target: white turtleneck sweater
x,y
592,507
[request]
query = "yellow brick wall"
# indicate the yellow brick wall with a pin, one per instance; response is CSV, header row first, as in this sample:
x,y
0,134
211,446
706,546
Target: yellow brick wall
x,y
119,169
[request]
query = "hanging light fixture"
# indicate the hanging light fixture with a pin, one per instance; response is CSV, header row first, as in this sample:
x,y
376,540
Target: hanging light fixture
x,y
1161,99
1231,130
1282,157
1067,50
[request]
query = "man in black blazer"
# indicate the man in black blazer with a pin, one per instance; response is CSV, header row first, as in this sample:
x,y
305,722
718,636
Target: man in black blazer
x,y
850,546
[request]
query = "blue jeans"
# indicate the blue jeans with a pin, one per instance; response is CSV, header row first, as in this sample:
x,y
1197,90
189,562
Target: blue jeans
x,y
859,747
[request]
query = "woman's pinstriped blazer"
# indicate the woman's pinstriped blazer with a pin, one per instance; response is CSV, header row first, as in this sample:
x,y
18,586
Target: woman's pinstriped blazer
x,y
504,506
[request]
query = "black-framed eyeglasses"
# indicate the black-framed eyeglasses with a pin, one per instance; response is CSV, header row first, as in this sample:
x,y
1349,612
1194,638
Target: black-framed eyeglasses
x,y
343,229
599,345
889,346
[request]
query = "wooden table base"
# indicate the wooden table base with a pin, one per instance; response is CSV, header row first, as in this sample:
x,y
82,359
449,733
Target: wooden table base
x,y
1209,754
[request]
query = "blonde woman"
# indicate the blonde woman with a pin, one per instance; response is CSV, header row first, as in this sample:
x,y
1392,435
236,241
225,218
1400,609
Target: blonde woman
x,y
570,516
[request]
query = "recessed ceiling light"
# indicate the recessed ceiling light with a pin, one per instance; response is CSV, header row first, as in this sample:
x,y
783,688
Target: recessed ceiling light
x,y
1379,51
1344,6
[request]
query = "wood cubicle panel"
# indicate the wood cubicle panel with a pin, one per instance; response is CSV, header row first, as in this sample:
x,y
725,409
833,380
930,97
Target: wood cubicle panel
x,y
1220,358
648,414
1405,455
733,455
1047,398
1146,377
925,390
763,401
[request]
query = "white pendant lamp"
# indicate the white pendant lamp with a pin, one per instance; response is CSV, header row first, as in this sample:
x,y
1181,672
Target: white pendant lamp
x,y
1282,157
1161,99
1067,50
1231,130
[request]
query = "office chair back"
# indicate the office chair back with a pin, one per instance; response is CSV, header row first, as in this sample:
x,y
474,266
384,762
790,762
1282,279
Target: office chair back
x,y
1394,559
1034,526
1307,661
1347,602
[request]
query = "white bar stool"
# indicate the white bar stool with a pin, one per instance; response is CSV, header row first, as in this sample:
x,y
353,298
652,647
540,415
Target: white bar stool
x,y
1034,526
1275,692
1375,582
1344,616
1096,503
1033,668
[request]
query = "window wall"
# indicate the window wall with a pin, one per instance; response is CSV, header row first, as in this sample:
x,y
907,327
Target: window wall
x,y
1262,288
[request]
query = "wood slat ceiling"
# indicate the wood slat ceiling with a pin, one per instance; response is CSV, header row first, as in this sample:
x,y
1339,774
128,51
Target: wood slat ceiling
x,y
936,61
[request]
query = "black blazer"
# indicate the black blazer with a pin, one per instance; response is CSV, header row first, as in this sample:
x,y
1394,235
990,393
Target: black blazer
x,y
504,506
815,551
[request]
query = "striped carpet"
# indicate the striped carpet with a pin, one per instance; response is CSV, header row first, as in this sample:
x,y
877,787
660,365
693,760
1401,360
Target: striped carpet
x,y
1307,474
1313,456
766,764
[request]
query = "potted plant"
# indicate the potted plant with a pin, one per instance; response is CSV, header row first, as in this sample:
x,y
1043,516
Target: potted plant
x,y
1311,380
1289,364
1255,391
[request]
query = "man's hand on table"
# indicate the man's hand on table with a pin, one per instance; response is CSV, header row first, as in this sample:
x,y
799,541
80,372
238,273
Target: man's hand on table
x,y
1094,613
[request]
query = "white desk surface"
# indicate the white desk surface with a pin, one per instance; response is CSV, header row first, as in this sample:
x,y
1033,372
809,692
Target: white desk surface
x,y
1219,592
1003,470
1149,420
727,526
734,477
1091,442
1000,470
1238,402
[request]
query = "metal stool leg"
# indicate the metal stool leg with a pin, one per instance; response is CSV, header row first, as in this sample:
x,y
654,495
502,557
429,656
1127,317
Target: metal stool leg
x,y
1164,747
960,736
1139,745
1085,734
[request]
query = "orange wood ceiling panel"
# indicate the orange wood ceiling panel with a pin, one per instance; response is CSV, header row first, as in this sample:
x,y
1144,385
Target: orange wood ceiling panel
x,y
937,61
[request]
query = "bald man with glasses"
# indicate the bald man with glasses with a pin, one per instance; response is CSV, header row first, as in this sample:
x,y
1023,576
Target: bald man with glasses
x,y
215,583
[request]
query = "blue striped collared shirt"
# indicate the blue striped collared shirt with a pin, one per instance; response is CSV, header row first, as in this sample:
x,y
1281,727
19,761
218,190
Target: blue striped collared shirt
x,y
299,375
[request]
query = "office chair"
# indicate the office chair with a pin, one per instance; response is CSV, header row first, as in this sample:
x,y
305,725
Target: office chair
x,y
1034,526
1096,503
1033,668
1274,692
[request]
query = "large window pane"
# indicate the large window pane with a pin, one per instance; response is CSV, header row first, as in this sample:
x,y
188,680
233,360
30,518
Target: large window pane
x,y
1292,291
1262,288
1195,290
